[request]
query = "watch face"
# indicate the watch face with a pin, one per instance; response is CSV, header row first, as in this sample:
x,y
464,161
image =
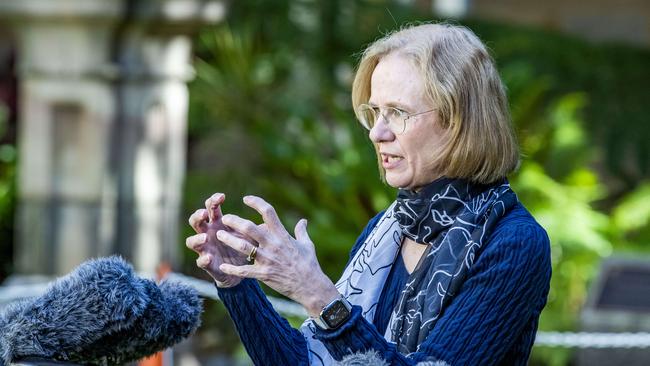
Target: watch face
x,y
336,314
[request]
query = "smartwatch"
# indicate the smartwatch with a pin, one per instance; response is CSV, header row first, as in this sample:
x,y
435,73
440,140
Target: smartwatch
x,y
334,314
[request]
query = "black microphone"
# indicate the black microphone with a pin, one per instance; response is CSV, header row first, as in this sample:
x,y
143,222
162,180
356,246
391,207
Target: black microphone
x,y
99,314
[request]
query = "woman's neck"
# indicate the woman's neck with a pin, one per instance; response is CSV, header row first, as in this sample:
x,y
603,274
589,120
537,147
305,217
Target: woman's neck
x,y
411,254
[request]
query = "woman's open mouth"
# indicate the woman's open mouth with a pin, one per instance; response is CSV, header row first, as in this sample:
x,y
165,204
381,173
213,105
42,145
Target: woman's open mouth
x,y
389,161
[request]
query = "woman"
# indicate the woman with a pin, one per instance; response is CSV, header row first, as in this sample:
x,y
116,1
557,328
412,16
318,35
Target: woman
x,y
454,271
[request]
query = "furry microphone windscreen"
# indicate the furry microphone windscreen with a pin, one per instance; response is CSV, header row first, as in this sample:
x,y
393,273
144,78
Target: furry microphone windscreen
x,y
99,314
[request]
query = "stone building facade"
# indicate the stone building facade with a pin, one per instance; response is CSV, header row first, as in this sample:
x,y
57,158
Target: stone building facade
x,y
101,113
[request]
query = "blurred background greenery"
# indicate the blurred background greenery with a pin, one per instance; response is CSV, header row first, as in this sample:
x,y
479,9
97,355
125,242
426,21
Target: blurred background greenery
x,y
271,115
7,193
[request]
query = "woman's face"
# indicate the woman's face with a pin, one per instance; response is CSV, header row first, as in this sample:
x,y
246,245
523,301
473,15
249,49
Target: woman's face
x,y
407,157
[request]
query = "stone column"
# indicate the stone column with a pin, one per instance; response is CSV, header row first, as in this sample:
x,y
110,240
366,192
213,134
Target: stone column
x,y
102,121
65,109
153,99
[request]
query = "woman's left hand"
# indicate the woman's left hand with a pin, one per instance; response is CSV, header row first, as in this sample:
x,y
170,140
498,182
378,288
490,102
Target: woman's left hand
x,y
286,264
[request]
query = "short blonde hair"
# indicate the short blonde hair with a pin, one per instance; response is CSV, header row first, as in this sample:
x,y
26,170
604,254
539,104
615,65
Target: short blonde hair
x,y
462,82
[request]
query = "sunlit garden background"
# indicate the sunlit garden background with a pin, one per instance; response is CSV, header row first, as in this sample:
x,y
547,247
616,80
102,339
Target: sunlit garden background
x,y
270,114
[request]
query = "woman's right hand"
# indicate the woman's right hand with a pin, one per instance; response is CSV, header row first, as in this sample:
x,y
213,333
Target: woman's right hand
x,y
212,252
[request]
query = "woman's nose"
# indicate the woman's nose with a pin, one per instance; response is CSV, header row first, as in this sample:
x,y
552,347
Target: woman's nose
x,y
380,132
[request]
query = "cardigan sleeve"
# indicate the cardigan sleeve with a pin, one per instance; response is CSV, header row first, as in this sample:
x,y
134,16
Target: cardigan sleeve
x,y
268,338
505,289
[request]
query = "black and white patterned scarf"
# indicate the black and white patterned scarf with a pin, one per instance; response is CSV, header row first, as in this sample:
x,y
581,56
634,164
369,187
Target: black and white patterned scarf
x,y
453,218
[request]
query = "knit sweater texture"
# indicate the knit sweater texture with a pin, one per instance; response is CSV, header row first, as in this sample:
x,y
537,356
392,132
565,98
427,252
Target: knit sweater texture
x,y
491,321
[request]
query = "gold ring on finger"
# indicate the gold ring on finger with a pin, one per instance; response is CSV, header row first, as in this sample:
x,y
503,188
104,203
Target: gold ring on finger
x,y
251,255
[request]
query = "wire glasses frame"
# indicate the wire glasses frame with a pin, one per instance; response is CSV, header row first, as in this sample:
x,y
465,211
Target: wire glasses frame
x,y
393,117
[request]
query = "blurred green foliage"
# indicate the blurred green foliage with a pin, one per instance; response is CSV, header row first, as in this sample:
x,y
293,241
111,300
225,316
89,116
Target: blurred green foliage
x,y
7,196
271,115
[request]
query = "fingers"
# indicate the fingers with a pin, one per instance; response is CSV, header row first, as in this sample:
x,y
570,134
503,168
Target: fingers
x,y
237,243
267,211
245,227
204,261
196,242
248,271
198,220
212,212
300,231
213,206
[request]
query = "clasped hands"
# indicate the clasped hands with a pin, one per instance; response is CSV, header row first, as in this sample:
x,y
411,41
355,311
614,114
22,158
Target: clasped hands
x,y
286,263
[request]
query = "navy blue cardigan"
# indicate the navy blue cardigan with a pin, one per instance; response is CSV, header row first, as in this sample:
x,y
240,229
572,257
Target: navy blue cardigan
x,y
491,321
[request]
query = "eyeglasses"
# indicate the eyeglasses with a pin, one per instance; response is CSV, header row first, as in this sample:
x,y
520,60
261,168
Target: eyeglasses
x,y
393,117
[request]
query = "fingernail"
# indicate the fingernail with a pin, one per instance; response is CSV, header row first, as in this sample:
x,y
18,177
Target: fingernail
x,y
204,237
220,234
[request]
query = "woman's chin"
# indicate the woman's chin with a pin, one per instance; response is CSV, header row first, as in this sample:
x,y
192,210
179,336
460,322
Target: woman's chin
x,y
397,181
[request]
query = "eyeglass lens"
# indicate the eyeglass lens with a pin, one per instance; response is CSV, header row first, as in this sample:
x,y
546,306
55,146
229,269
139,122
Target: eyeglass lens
x,y
392,116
